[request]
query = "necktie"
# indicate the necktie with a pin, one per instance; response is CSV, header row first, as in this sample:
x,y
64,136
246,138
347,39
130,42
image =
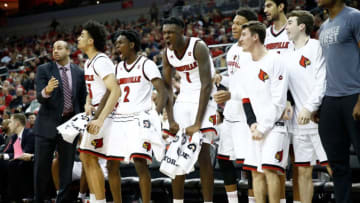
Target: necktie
x,y
67,92
17,148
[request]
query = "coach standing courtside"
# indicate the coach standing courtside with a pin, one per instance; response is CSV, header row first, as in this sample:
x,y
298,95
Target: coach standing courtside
x,y
60,88
340,112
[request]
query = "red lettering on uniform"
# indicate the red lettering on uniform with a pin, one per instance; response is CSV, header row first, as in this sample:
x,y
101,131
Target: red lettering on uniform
x,y
233,63
135,79
89,77
187,67
278,45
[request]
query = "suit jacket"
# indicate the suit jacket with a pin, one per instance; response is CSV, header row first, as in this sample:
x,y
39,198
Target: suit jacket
x,y
51,109
27,143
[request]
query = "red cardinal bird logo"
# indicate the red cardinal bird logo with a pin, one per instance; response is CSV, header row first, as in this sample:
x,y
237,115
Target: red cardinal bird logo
x,y
263,75
304,61
279,155
97,143
212,119
147,146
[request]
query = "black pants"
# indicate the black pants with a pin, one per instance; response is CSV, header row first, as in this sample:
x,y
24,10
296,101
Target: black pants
x,y
338,130
20,180
44,154
4,168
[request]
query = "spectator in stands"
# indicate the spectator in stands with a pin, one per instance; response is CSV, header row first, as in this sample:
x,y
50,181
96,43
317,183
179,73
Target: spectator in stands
x,y
19,157
60,88
154,12
31,120
29,82
339,125
17,99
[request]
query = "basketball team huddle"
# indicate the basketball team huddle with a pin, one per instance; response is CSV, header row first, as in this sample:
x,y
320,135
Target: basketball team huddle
x,y
275,83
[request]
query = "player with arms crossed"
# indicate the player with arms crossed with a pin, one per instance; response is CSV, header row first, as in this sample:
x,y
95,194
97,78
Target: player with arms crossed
x,y
137,75
190,57
99,77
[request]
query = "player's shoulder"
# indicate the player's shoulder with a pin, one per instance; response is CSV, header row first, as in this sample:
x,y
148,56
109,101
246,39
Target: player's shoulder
x,y
102,58
314,43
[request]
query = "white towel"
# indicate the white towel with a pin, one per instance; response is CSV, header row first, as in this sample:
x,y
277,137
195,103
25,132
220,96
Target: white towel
x,y
182,154
190,153
168,164
71,128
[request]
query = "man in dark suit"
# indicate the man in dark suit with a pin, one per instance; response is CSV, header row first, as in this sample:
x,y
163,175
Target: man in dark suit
x,y
17,160
60,88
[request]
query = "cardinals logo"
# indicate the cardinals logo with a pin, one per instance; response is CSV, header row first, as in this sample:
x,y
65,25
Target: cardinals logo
x,y
263,75
304,61
212,119
147,146
279,155
97,143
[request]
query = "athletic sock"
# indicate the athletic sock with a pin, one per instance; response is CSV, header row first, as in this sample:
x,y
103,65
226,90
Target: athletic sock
x,y
232,197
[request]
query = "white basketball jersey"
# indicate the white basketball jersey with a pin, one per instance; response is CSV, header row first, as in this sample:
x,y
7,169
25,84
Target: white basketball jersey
x,y
307,73
264,83
95,71
135,83
234,109
187,67
277,40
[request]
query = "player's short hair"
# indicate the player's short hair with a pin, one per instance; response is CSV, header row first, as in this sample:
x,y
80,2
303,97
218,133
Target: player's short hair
x,y
20,117
247,13
303,17
256,27
98,33
174,21
278,2
132,36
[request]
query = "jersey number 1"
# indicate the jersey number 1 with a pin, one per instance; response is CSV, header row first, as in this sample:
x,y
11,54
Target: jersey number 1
x,y
188,77
90,92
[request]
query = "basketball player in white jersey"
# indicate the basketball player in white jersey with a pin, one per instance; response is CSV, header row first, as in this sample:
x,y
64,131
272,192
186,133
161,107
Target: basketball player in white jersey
x,y
263,84
232,144
307,83
276,37
190,57
137,75
99,77
277,40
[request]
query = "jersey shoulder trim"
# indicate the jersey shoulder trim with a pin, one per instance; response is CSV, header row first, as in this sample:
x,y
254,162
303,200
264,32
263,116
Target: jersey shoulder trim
x,y
183,53
276,34
132,67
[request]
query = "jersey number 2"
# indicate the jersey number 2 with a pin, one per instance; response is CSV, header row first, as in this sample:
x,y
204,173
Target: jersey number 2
x,y
127,90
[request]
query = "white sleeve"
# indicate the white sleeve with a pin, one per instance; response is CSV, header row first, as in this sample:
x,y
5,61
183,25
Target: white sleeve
x,y
6,156
279,87
319,74
150,70
225,80
103,67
